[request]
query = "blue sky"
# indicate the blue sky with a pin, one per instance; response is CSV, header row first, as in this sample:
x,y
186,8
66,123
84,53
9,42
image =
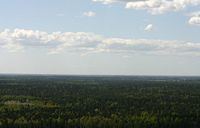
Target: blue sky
x,y
111,37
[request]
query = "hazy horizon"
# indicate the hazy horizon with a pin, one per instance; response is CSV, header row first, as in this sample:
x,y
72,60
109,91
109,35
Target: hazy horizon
x,y
98,75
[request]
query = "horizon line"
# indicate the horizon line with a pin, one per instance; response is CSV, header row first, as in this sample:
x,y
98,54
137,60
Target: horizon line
x,y
97,75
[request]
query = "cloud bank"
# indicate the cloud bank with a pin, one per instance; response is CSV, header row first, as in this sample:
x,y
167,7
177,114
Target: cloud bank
x,y
154,6
87,43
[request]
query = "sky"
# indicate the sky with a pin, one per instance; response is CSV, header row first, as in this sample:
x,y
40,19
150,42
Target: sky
x,y
100,37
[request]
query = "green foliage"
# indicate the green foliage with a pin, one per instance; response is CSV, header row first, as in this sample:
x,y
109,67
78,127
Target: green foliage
x,y
98,102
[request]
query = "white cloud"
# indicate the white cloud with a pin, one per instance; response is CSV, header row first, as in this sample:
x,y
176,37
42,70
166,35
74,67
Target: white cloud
x,y
87,43
13,47
89,14
105,1
161,6
113,1
155,6
195,18
149,27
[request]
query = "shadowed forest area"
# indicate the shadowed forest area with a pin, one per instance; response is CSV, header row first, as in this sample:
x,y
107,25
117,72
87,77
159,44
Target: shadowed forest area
x,y
99,102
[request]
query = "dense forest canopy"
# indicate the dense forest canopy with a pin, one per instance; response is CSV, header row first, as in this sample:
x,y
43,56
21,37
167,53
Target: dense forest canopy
x,y
28,101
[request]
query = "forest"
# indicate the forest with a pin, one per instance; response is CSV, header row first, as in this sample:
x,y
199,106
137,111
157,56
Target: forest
x,y
41,101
